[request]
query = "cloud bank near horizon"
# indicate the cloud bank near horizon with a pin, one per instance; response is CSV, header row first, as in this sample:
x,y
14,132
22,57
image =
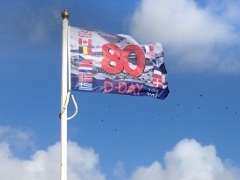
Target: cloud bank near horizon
x,y
186,161
196,37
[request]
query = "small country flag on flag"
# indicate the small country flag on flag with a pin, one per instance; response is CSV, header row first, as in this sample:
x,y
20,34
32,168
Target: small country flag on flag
x,y
85,66
157,79
85,86
80,58
84,33
148,48
149,51
85,50
157,82
85,42
85,77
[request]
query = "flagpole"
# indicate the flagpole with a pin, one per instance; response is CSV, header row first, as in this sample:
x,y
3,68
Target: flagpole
x,y
64,95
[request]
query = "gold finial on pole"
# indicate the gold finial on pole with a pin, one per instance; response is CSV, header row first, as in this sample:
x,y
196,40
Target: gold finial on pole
x,y
65,14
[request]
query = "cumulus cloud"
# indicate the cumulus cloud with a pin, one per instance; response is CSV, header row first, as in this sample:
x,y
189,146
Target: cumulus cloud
x,y
17,138
119,171
188,160
45,164
197,37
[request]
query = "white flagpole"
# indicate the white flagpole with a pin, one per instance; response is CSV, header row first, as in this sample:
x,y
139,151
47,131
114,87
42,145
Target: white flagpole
x,y
64,95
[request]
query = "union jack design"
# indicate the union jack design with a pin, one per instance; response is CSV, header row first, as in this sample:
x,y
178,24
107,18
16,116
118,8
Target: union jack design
x,y
84,33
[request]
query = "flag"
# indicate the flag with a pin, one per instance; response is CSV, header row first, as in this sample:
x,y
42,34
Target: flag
x,y
85,65
85,77
84,33
149,51
85,42
116,64
85,46
85,86
157,79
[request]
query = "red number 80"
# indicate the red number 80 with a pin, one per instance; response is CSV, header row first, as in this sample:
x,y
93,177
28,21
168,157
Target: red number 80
x,y
116,60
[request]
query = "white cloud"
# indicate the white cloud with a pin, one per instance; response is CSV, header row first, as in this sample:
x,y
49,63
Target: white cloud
x,y
17,138
119,171
82,164
196,37
188,161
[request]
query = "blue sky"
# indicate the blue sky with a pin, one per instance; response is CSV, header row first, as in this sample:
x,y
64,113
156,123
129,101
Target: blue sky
x,y
192,134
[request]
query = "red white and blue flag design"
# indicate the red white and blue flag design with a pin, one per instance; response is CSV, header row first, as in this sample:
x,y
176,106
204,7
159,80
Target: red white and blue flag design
x,y
85,74
116,63
85,65
85,77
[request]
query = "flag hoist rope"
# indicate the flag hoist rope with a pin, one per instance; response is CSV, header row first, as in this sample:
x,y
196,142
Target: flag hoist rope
x,y
65,93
